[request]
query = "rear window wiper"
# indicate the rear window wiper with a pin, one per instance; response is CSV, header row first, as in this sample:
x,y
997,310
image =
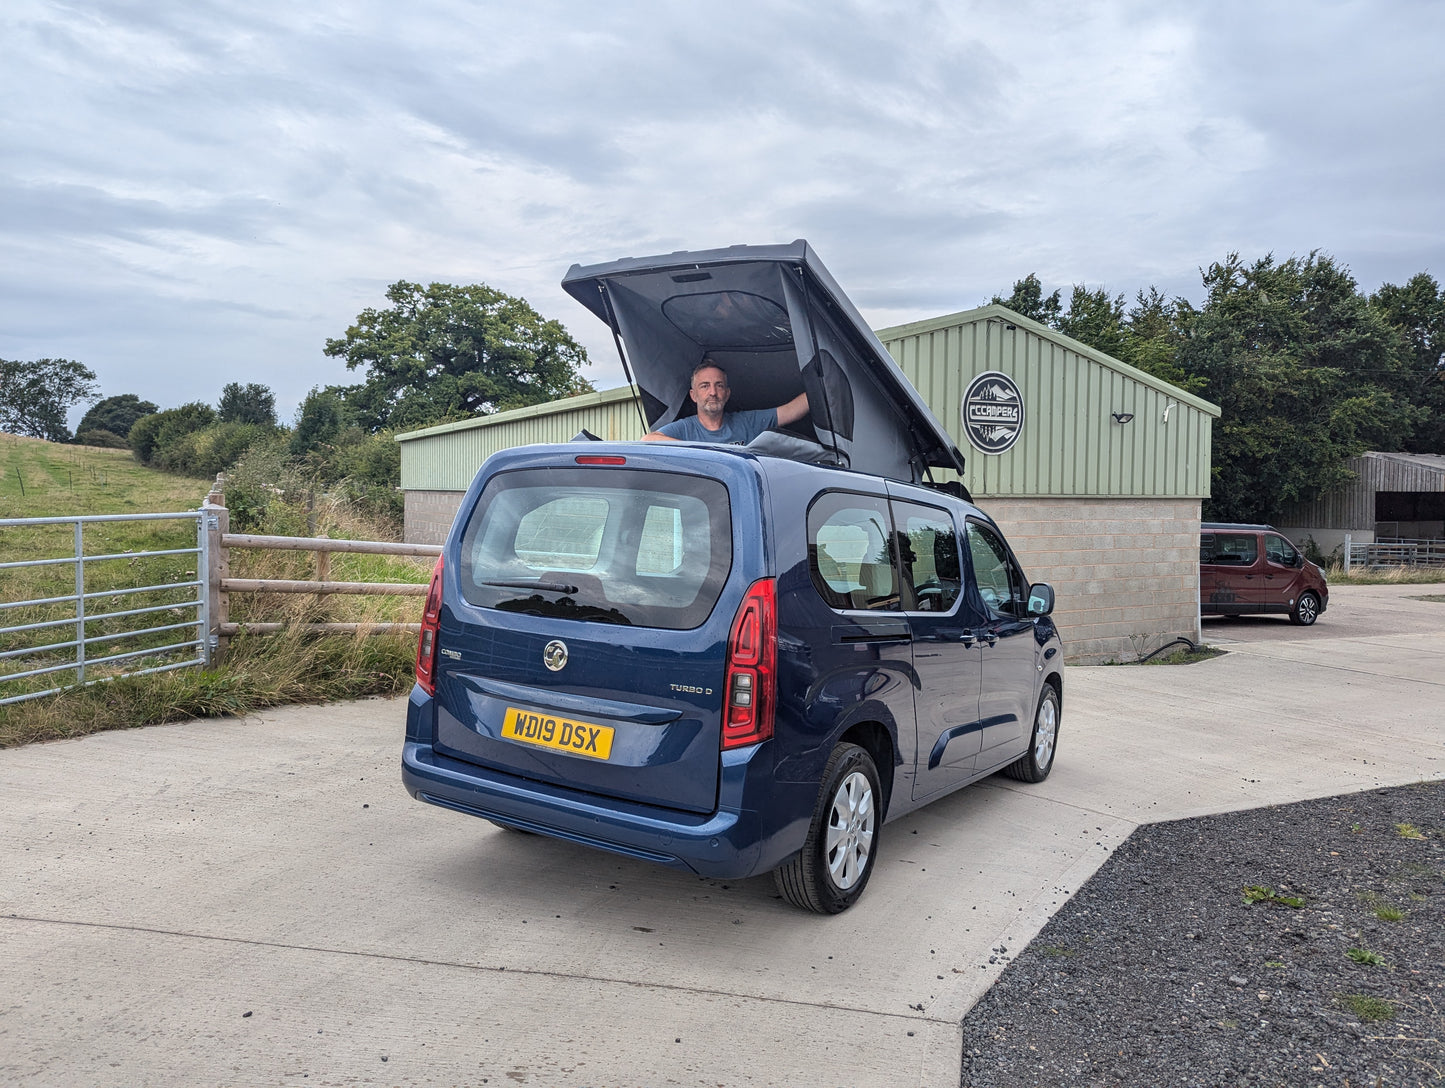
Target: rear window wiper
x,y
550,587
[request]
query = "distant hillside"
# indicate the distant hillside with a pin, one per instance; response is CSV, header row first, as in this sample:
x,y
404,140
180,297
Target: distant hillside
x,y
47,479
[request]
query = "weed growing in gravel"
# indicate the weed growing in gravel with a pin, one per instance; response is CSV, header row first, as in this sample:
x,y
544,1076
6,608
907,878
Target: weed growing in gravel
x,y
1255,893
1409,831
1368,1009
1389,914
1362,955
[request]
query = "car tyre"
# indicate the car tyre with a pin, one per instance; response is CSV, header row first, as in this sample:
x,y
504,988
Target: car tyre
x,y
1306,610
830,872
1035,764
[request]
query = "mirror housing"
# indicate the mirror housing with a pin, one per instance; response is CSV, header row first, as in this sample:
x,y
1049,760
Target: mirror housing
x,y
1041,599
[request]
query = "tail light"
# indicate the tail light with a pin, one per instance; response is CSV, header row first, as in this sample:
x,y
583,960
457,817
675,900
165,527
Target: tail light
x,y
426,646
750,679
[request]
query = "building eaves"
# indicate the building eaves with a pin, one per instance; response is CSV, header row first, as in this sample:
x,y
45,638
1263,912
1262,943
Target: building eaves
x,y
546,408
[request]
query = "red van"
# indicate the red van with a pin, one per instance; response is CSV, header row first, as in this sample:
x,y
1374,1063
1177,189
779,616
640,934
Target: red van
x,y
1248,569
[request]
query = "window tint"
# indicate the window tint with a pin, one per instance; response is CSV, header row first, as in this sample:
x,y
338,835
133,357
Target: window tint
x,y
928,554
1279,550
1000,583
1231,549
607,545
849,554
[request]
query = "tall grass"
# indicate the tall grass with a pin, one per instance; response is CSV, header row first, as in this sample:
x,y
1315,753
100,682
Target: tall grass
x,y
259,672
1385,576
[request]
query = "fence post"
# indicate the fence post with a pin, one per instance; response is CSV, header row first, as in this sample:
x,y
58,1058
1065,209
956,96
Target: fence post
x,y
1349,554
218,566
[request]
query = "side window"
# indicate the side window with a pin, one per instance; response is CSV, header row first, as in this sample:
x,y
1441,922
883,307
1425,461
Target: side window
x,y
928,554
1279,550
849,554
1235,549
1000,583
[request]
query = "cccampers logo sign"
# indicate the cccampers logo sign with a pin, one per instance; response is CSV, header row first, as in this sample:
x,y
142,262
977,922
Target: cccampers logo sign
x,y
992,412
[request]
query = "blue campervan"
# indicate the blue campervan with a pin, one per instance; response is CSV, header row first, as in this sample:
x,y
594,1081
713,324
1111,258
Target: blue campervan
x,y
732,659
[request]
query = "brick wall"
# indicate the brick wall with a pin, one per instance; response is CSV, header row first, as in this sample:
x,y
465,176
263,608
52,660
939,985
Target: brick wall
x,y
429,514
1125,571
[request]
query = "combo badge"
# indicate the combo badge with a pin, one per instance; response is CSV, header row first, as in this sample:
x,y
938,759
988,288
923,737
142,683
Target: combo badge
x,y
992,412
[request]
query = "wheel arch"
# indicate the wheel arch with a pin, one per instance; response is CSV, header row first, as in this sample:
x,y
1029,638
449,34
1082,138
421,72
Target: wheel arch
x,y
873,737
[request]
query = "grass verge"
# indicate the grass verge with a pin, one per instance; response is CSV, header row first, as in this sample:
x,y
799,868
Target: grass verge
x,y
1385,576
260,672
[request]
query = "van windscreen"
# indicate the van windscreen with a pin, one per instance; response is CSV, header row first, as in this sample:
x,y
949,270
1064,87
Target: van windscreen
x,y
607,545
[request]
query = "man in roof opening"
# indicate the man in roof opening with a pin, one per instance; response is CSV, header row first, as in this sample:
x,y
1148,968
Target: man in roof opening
x,y
711,424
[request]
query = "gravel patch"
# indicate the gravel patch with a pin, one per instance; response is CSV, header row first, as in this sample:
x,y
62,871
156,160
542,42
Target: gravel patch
x,y
1296,945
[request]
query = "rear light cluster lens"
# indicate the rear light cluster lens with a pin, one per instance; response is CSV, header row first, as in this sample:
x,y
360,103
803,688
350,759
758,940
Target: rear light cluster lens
x,y
426,647
600,459
750,681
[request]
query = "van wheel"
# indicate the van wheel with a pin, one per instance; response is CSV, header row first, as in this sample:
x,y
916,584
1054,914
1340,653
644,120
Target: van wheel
x,y
1306,610
1038,761
831,871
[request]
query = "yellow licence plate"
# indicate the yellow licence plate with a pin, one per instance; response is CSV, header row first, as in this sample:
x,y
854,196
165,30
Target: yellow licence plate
x,y
561,734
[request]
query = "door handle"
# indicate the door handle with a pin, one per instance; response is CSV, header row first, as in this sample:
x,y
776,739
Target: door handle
x,y
987,636
967,639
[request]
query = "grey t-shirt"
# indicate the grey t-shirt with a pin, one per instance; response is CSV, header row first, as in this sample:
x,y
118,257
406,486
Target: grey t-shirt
x,y
738,428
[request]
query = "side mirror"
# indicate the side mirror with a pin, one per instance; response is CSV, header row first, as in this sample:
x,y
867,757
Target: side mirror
x,y
1041,599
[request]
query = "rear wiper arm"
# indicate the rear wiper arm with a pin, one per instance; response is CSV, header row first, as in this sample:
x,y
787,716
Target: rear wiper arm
x,y
550,587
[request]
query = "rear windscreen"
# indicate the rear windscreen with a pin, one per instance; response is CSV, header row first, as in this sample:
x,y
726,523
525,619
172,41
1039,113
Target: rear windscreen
x,y
609,545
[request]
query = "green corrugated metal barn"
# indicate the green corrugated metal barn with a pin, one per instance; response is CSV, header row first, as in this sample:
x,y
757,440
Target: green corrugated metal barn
x,y
1099,492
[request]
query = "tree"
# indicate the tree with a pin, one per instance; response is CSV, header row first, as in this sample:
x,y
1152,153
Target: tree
x,y
1417,312
249,403
35,396
1303,369
116,415
1028,301
319,419
1095,319
151,436
447,350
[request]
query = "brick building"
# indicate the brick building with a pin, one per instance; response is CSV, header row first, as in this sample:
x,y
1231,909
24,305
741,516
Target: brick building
x,y
1098,486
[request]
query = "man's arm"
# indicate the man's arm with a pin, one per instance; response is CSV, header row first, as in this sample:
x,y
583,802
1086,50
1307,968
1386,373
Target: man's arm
x,y
793,411
658,436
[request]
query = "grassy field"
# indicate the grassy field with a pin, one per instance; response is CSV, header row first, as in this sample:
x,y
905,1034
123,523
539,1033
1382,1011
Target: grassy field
x,y
45,479
42,479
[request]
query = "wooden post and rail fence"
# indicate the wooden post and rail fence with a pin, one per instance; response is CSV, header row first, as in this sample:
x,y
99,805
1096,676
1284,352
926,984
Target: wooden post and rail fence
x,y
219,584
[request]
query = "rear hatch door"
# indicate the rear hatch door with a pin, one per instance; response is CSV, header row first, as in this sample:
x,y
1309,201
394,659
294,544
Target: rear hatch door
x,y
584,639
780,325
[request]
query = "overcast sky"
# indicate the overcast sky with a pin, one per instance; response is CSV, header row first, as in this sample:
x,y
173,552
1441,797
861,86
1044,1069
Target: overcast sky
x,y
199,191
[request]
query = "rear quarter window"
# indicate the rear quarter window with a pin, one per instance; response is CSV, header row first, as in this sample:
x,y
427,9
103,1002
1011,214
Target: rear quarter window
x,y
606,545
850,553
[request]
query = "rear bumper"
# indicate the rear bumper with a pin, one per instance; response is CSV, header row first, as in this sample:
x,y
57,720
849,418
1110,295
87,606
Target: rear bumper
x,y
732,842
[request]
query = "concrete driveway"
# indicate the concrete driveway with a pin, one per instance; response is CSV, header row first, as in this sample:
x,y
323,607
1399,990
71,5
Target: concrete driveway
x,y
258,902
